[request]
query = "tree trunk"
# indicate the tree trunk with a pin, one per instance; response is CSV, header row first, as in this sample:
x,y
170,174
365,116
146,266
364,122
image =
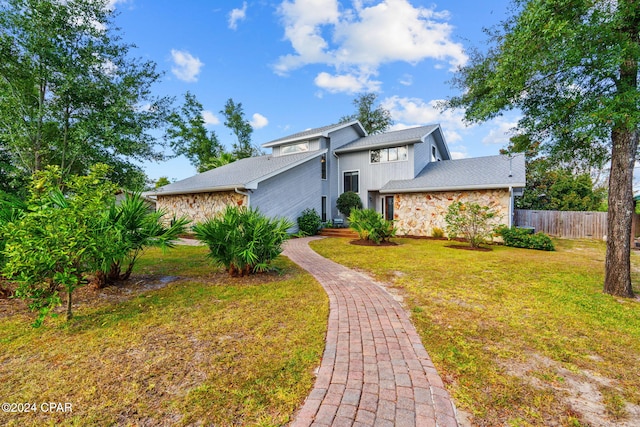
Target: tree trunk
x,y
69,314
618,261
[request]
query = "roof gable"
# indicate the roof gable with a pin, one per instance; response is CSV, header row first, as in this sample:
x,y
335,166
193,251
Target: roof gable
x,y
400,137
241,174
464,174
316,133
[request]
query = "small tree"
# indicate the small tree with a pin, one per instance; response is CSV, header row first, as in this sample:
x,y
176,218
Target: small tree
x,y
471,220
243,240
347,201
60,237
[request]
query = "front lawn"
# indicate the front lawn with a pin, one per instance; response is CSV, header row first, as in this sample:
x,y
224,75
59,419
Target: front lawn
x,y
183,344
520,337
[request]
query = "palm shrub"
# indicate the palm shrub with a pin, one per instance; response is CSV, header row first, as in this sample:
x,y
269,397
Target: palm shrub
x,y
347,201
138,227
309,222
473,221
370,225
243,240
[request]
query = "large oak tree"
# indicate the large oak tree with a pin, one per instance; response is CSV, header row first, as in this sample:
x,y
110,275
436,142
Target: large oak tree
x,y
70,94
571,67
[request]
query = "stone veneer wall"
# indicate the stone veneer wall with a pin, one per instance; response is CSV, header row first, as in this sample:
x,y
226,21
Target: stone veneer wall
x,y
417,214
198,206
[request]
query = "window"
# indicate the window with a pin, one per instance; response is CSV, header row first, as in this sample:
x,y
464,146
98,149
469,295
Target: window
x,y
351,181
299,147
387,207
323,166
391,154
433,153
323,207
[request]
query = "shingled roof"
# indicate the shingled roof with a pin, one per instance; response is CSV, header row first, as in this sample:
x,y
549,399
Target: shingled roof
x,y
244,174
464,174
315,133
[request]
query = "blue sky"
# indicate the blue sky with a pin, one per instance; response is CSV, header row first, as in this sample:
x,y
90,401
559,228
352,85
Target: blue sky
x,y
298,64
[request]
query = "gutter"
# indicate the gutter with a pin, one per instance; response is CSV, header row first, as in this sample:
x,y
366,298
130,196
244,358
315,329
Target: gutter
x,y
458,188
244,193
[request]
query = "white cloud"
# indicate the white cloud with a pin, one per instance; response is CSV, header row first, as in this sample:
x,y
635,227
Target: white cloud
x,y
187,67
414,111
111,4
357,41
258,121
347,83
237,15
501,133
406,80
210,118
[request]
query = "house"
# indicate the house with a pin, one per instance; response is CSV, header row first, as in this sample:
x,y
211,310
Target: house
x,y
407,175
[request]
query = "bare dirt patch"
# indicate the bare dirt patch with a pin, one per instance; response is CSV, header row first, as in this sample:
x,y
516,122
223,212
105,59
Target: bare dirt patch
x,y
582,390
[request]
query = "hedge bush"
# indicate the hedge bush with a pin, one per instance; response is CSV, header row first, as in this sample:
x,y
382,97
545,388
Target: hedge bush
x,y
347,201
309,222
523,238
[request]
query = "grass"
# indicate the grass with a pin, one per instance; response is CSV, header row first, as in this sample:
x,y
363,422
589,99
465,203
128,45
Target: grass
x,y
520,337
203,350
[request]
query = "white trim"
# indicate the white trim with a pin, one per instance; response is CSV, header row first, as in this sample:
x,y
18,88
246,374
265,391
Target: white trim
x,y
454,188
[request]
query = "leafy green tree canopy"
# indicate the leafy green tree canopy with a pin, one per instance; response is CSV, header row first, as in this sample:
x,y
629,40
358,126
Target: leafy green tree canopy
x,y
374,120
188,135
70,93
571,68
241,128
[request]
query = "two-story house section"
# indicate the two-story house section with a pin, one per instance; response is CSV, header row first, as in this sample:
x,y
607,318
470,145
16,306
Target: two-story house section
x,y
407,175
367,164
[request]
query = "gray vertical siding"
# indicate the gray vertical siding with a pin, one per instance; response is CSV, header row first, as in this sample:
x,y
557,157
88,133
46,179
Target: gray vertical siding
x,y
332,187
289,193
372,176
422,154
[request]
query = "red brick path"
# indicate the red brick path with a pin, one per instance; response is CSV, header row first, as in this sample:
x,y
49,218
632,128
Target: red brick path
x,y
375,370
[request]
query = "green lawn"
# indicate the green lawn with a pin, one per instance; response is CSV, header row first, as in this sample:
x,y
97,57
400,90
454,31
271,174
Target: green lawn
x,y
520,337
203,350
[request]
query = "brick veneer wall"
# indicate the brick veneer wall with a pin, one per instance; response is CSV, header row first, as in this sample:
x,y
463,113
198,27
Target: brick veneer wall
x,y
417,214
199,206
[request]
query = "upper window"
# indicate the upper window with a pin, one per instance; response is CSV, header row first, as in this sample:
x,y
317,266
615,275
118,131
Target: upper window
x,y
351,181
434,154
391,154
299,147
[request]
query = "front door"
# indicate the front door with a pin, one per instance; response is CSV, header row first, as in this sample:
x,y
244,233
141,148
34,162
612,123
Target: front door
x,y
387,207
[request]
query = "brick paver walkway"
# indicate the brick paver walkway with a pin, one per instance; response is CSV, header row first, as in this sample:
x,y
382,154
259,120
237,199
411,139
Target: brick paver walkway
x,y
375,370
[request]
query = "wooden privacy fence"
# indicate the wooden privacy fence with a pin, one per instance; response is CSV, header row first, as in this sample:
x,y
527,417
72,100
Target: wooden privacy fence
x,y
567,224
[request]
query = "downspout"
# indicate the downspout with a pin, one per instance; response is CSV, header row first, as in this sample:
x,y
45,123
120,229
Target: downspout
x,y
339,180
244,193
511,204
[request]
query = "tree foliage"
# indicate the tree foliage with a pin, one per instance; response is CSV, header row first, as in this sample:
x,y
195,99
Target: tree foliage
x,y
374,120
188,135
70,94
241,128
572,69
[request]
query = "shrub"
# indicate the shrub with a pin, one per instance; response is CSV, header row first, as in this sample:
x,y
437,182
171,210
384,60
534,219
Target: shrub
x,y
370,225
347,201
437,232
471,220
243,240
60,238
523,238
309,222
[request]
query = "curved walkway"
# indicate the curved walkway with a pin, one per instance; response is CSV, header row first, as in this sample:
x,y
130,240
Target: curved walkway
x,y
375,370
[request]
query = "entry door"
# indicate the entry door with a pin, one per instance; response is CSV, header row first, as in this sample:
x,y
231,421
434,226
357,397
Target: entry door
x,y
387,207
